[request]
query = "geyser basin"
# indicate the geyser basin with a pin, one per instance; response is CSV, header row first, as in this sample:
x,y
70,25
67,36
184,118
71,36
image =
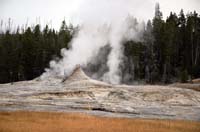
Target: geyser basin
x,y
80,93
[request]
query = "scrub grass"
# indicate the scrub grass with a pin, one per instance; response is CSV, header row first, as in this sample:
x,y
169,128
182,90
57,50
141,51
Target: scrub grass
x,y
23,121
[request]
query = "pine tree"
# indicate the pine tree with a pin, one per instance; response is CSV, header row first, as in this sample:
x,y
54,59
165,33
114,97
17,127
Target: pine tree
x,y
158,33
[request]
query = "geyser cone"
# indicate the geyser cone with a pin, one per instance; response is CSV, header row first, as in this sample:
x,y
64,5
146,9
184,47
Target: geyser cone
x,y
77,75
78,79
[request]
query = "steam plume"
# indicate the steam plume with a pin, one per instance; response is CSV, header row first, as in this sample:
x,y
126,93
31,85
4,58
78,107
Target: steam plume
x,y
102,25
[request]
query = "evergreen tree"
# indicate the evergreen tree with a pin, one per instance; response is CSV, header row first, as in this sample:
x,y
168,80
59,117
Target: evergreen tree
x,y
158,33
169,50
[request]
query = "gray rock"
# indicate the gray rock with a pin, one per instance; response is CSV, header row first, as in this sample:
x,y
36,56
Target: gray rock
x,y
79,93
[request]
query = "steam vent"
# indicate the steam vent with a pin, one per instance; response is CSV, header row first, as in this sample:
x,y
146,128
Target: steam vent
x,y
80,93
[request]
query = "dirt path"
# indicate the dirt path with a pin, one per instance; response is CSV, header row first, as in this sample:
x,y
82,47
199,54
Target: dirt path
x,y
69,122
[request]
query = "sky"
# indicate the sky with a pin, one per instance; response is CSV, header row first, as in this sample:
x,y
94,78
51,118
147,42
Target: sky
x,y
52,12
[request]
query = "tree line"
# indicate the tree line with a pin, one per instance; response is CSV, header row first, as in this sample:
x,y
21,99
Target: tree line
x,y
169,50
25,53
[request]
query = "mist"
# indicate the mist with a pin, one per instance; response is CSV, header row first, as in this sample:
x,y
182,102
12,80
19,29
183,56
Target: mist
x,y
105,23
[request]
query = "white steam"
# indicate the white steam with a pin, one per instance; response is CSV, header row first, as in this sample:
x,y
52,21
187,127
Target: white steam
x,y
106,23
121,31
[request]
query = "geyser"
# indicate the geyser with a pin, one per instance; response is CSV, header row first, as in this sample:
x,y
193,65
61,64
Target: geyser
x,y
110,28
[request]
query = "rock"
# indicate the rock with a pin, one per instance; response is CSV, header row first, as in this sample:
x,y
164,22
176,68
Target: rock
x,y
80,93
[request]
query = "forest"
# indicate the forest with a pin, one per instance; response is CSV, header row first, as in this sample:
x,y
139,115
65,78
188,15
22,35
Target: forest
x,y
168,52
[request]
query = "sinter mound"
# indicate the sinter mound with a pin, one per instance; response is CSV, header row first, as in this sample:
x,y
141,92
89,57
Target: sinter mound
x,y
77,75
79,79
80,93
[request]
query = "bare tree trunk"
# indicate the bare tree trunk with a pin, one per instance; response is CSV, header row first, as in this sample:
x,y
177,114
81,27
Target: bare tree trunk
x,y
192,53
197,54
164,72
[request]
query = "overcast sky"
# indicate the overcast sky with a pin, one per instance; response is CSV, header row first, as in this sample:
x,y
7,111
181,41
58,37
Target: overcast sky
x,y
75,11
